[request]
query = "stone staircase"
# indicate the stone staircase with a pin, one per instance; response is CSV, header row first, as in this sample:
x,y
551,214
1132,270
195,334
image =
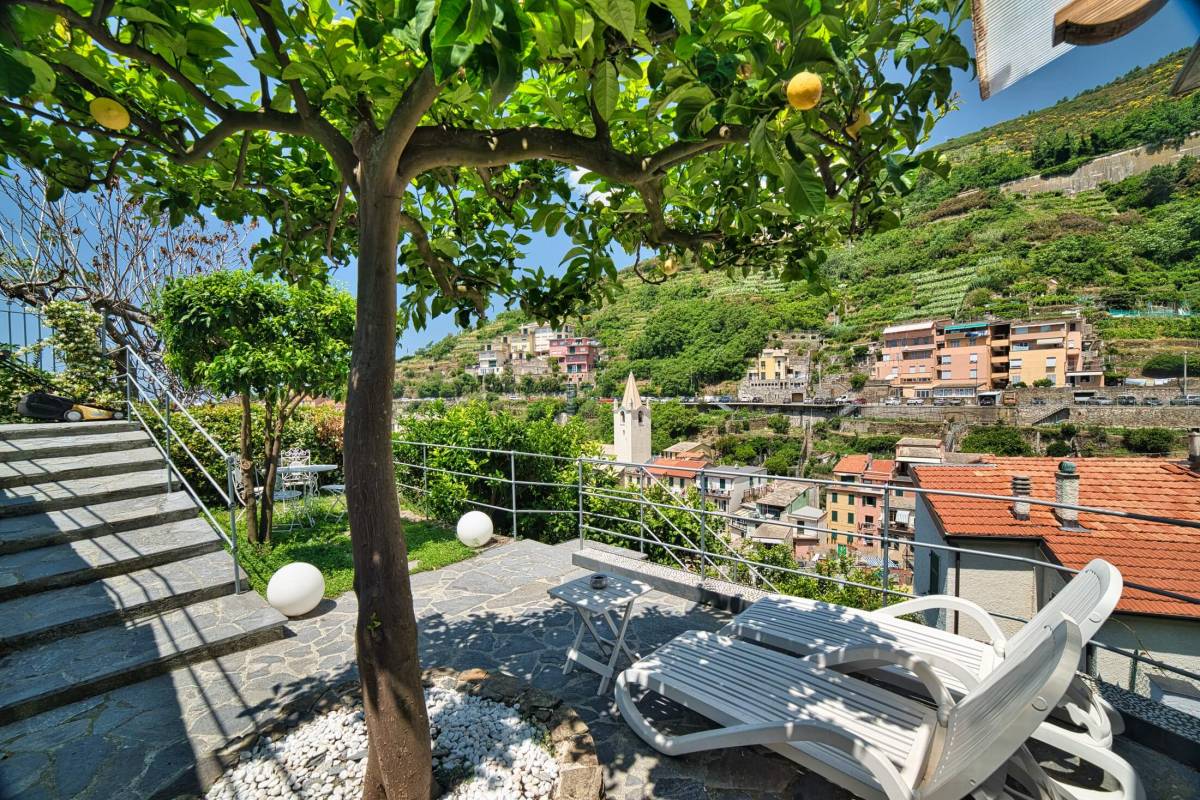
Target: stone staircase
x,y
106,579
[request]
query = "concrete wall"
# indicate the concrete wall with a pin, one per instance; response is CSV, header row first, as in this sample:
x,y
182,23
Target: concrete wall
x,y
1164,416
1106,169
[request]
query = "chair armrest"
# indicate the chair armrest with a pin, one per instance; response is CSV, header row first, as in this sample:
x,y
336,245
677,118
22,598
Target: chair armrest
x,y
996,637
869,656
761,733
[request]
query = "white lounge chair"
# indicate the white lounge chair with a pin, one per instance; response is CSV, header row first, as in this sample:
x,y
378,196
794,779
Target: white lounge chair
x,y
817,630
873,741
824,633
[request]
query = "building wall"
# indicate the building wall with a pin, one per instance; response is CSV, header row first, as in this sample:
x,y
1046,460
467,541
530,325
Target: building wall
x,y
1000,586
1171,640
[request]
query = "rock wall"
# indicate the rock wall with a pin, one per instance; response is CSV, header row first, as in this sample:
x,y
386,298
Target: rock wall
x,y
1106,169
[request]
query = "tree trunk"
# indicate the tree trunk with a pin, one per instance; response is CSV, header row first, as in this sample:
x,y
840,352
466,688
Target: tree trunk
x,y
399,760
273,421
246,465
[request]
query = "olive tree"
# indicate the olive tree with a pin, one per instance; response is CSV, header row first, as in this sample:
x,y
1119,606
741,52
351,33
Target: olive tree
x,y
236,334
426,138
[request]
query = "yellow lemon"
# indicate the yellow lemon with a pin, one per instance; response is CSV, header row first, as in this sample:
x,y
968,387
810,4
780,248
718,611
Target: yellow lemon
x,y
109,113
804,90
669,266
861,120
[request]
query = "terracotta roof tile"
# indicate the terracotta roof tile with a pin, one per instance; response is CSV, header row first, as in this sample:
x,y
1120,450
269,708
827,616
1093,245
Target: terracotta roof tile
x,y
856,463
1149,553
677,467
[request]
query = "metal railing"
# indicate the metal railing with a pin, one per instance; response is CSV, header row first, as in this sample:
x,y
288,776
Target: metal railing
x,y
712,554
145,390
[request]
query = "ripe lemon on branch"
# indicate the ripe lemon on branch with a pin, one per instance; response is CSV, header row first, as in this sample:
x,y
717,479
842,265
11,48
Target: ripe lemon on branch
x,y
109,113
804,91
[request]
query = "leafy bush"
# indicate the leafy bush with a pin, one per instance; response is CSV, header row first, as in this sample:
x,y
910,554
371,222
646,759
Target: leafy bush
x,y
1158,441
1000,440
1043,383
1165,365
1057,449
858,380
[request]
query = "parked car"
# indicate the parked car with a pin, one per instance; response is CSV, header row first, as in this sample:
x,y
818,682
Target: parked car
x,y
955,401
1186,400
939,401
860,401
1152,401
1102,401
913,401
725,398
842,398
1085,401
893,401
1126,400
1038,401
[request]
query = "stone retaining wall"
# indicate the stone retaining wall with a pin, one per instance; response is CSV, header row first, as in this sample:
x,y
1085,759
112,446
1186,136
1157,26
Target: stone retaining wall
x,y
1106,169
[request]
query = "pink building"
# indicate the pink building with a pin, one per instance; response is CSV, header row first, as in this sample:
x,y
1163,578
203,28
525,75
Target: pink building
x,y
576,357
908,356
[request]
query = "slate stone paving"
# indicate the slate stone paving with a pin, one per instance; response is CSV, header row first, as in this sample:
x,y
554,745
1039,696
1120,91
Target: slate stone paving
x,y
165,737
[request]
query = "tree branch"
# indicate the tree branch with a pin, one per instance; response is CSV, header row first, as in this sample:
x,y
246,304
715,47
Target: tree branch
x,y
432,147
444,272
405,117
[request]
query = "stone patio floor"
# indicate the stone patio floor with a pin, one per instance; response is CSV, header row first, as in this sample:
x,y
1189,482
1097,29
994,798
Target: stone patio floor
x,y
157,738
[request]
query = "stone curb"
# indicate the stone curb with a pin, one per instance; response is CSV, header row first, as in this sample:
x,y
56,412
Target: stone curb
x,y
579,774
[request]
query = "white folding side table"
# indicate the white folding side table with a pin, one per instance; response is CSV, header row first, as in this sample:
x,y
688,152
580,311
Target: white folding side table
x,y
592,604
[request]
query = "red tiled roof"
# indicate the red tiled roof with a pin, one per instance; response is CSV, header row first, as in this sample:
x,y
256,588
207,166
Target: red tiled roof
x,y
880,469
856,463
1148,553
670,467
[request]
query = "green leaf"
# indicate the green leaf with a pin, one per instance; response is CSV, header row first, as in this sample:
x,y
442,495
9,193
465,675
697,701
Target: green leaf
x,y
679,9
16,78
605,89
43,74
139,14
451,22
584,25
620,14
805,192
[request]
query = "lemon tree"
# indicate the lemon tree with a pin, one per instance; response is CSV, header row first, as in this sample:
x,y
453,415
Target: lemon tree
x,y
425,139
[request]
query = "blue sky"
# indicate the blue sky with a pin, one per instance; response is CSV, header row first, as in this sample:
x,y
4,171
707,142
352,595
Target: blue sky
x,y
1175,27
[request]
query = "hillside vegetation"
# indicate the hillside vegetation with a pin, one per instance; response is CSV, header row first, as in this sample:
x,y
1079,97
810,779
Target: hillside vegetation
x,y
958,255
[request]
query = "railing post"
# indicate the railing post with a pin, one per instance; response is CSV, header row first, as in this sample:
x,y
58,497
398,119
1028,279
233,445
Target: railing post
x,y
512,482
167,433
703,526
579,492
641,518
883,535
424,468
231,489
128,385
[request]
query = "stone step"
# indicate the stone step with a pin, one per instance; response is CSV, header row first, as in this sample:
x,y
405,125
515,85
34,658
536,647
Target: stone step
x,y
23,449
54,495
71,610
40,430
69,525
53,674
87,560
60,468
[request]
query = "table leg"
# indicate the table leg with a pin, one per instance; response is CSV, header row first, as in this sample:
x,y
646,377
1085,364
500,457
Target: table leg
x,y
621,637
602,642
618,646
574,651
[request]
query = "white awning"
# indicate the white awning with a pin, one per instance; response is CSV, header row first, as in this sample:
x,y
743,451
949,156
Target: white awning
x,y
1014,38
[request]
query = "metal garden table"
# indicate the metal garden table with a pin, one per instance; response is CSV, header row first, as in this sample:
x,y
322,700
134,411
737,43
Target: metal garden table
x,y
594,604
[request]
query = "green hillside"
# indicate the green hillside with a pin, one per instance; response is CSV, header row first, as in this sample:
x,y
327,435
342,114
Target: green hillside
x,y
958,255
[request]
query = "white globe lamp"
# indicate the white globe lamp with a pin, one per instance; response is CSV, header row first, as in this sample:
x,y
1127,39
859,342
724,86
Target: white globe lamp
x,y
474,529
295,589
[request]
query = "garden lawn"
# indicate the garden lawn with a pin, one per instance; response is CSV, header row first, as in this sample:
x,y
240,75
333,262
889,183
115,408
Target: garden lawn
x,y
326,546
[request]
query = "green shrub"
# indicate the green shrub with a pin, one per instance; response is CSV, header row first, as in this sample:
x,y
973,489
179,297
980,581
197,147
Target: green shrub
x,y
1057,449
1000,440
1165,365
1158,441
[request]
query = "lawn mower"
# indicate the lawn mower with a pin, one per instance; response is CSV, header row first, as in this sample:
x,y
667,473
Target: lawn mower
x,y
41,404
